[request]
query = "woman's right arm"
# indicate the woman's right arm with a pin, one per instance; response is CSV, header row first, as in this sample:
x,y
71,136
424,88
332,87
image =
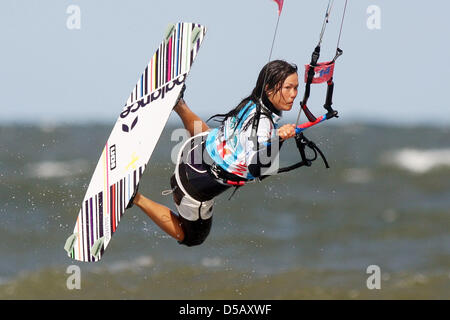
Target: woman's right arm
x,y
286,131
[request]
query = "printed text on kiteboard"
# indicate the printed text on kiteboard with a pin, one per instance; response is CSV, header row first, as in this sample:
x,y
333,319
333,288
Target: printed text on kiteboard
x,y
155,95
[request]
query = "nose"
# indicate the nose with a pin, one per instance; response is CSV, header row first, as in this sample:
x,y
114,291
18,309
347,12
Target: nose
x,y
294,93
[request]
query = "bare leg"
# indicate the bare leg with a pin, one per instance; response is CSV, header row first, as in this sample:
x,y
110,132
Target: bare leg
x,y
161,215
191,121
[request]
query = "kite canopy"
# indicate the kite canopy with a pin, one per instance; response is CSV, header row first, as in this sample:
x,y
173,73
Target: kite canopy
x,y
280,5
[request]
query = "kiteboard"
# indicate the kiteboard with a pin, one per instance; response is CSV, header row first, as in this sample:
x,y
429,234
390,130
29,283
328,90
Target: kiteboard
x,y
132,141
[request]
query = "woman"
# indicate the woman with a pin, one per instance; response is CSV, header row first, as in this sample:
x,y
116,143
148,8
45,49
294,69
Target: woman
x,y
213,161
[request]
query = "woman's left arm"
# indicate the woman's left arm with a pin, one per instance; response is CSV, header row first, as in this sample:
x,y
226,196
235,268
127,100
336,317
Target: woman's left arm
x,y
193,123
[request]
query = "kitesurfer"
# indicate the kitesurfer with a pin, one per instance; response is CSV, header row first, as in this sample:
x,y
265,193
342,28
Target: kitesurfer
x,y
241,149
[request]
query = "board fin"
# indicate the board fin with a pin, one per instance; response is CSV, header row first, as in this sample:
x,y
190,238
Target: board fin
x,y
169,32
70,242
195,35
97,246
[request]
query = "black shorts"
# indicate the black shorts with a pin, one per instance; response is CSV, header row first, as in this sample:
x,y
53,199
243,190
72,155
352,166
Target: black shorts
x,y
195,232
194,189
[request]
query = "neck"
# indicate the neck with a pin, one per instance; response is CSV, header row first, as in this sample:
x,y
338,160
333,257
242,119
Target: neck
x,y
269,106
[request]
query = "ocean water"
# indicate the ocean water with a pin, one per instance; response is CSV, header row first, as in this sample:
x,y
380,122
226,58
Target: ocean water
x,y
309,234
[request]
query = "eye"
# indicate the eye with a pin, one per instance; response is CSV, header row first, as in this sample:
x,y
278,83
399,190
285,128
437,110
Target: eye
x,y
290,87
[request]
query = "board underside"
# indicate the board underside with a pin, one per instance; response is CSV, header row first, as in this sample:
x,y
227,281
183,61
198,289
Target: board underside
x,y
132,141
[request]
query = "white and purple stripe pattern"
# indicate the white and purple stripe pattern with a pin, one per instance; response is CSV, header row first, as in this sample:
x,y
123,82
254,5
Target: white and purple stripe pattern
x,y
172,59
90,227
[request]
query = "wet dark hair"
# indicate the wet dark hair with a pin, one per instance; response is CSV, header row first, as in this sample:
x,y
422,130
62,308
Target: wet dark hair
x,y
274,73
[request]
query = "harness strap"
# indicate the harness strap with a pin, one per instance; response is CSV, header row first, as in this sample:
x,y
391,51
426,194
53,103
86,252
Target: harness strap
x,y
302,142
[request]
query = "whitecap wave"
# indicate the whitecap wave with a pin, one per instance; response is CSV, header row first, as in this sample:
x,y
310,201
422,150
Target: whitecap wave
x,y
57,169
127,265
357,175
419,161
211,262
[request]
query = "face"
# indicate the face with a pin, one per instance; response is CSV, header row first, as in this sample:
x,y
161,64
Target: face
x,y
283,99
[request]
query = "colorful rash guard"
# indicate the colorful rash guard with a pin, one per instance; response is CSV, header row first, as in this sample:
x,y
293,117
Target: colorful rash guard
x,y
230,146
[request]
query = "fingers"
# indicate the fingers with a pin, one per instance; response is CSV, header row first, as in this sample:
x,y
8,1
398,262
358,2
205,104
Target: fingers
x,y
287,131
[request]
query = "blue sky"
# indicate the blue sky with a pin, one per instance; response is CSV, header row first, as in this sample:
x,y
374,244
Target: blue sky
x,y
49,73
